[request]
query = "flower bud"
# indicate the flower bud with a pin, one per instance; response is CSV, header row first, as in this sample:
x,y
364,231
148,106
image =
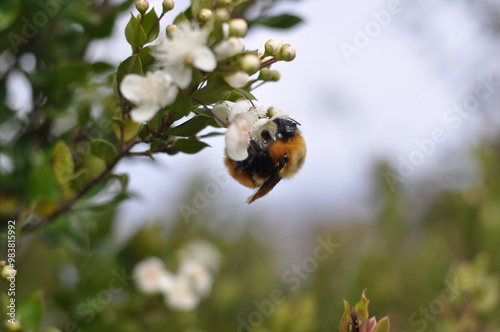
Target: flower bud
x,y
238,27
2,264
275,75
168,5
222,15
171,30
287,52
7,272
204,15
273,46
265,74
141,5
250,63
12,327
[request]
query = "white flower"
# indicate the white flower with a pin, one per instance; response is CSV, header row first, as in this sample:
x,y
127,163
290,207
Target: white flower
x,y
151,277
202,252
238,139
229,47
185,48
240,118
198,276
149,93
237,80
182,296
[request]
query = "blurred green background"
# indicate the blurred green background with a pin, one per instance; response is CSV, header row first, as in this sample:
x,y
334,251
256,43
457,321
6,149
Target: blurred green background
x,y
435,268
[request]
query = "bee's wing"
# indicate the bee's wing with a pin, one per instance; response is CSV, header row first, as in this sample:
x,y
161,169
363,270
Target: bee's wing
x,y
266,187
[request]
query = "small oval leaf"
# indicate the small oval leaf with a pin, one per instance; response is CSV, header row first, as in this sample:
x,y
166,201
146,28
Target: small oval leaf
x,y
62,162
189,146
190,127
283,21
103,149
151,25
134,32
130,65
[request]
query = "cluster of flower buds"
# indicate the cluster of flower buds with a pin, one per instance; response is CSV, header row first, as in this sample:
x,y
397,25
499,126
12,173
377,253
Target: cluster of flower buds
x,y
211,45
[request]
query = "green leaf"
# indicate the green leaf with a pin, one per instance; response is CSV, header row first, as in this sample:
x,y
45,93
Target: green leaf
x,y
9,9
189,146
181,107
383,325
103,149
346,318
283,21
146,58
130,65
102,67
211,134
240,93
181,18
190,127
30,311
213,92
134,32
151,25
130,129
62,162
361,308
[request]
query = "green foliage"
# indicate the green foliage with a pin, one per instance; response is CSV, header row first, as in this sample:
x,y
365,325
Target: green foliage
x,y
424,273
283,21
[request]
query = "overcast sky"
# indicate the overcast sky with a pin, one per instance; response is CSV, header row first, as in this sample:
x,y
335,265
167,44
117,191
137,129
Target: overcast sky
x,y
372,80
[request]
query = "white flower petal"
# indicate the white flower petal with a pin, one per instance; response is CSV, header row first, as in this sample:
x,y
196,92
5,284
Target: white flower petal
x,y
221,114
181,75
131,87
169,95
229,47
144,113
237,80
237,139
204,59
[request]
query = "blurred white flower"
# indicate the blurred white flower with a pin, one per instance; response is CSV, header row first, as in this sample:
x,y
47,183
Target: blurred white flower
x,y
182,296
198,276
229,47
151,277
149,93
202,252
186,47
237,80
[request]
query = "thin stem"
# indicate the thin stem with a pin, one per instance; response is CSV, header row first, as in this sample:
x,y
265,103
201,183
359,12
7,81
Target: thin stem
x,y
268,63
67,205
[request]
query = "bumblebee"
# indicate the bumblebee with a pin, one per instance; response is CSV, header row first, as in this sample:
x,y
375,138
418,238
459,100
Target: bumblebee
x,y
270,158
